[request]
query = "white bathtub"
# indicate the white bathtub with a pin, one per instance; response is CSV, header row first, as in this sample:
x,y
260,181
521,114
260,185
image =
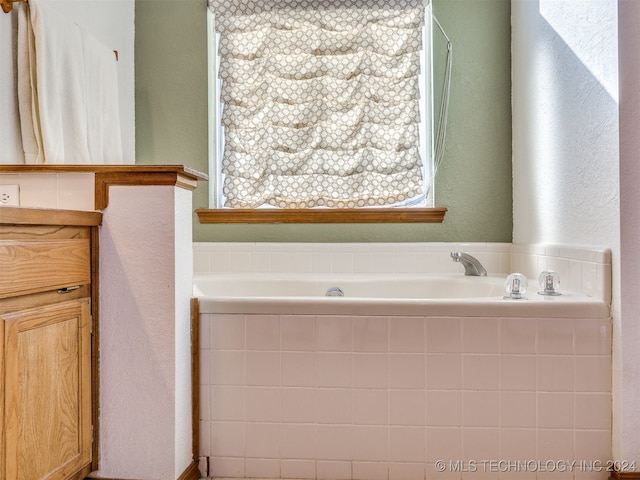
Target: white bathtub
x,y
375,294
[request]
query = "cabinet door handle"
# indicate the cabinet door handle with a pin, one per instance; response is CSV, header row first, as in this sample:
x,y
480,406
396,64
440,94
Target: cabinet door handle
x,y
68,289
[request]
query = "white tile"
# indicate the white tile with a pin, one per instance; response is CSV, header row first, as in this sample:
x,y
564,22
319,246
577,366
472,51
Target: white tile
x,y
480,409
262,440
517,443
333,369
227,368
370,407
444,335
370,471
227,403
342,263
593,336
480,372
406,444
406,470
480,335
298,469
76,191
262,332
298,441
370,443
517,335
261,468
593,411
370,334
443,444
555,444
334,442
593,373
263,368
406,335
333,470
370,370
555,373
263,404
38,190
554,336
518,409
227,439
518,372
298,369
225,467
334,334
444,371
555,411
406,370
444,408
480,443
9,179
407,407
297,332
201,262
227,331
333,406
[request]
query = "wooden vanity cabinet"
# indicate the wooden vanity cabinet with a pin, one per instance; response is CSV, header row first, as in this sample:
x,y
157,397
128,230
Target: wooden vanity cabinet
x,y
45,350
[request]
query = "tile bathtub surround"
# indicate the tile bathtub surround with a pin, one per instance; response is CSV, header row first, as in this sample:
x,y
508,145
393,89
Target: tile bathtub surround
x,y
343,397
343,257
581,269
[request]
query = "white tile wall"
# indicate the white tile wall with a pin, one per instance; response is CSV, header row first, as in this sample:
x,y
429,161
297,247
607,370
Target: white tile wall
x,y
386,398
70,191
581,269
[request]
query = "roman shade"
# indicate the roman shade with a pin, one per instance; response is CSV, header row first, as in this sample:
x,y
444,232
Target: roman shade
x,y
320,102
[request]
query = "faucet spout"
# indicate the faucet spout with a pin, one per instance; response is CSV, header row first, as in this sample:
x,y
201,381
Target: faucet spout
x,y
472,265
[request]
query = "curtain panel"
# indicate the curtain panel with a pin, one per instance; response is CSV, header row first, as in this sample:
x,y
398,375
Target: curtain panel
x,y
320,102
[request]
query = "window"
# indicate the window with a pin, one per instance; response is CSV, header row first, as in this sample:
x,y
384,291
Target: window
x,y
320,104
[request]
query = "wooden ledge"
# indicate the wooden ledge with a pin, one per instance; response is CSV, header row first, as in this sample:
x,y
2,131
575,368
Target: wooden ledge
x,y
47,216
124,175
343,215
617,475
177,175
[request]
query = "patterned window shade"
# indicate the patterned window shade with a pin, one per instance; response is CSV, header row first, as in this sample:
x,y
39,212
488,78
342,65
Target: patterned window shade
x,y
321,102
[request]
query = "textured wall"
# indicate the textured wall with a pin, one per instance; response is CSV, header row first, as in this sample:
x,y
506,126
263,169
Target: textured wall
x,y
627,405
145,372
474,182
565,121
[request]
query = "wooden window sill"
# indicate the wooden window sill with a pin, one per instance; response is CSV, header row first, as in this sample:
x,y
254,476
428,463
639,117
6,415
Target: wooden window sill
x,y
342,215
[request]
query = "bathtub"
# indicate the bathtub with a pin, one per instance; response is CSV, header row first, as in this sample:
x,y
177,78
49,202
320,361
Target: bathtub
x,y
405,376
378,294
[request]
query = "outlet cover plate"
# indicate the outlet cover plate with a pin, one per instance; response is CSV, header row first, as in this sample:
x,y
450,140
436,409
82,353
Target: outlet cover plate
x,y
10,195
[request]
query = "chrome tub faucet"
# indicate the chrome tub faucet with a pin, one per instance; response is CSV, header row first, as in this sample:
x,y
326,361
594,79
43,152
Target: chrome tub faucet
x,y
472,265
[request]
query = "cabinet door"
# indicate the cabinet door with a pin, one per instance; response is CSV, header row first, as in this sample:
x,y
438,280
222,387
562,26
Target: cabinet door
x,y
47,414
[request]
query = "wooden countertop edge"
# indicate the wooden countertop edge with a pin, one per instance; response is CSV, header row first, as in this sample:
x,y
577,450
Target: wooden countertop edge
x,y
48,216
105,169
105,176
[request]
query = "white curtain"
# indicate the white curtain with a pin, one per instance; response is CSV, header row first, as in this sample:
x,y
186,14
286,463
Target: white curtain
x,y
321,103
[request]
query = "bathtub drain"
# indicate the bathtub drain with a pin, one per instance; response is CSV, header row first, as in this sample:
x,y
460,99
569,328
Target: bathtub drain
x,y
334,292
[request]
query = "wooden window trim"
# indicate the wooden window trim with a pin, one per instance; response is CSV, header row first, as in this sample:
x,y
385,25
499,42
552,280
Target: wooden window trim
x,y
342,215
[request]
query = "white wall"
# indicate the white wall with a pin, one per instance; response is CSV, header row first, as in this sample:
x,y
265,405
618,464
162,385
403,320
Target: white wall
x,y
566,152
145,355
626,378
112,22
565,121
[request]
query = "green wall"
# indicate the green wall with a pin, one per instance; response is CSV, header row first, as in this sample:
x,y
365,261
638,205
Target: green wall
x,y
473,183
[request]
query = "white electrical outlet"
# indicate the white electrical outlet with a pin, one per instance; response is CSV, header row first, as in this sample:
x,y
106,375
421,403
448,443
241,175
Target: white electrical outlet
x,y
9,195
